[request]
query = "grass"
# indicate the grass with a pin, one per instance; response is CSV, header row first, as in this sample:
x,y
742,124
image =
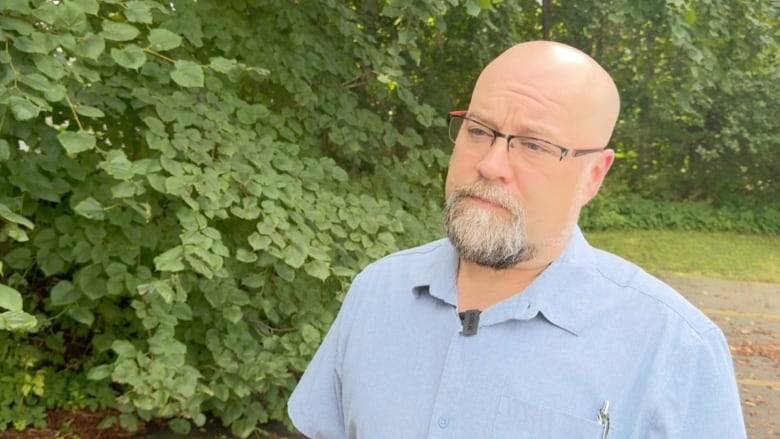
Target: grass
x,y
719,255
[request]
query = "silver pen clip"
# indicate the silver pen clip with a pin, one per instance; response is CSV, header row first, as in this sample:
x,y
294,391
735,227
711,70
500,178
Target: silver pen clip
x,y
604,419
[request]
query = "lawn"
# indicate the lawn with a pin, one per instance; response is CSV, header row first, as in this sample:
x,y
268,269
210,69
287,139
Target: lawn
x,y
720,255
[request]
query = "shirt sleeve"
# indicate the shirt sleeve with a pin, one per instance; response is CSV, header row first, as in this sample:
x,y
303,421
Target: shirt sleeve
x,y
701,398
315,405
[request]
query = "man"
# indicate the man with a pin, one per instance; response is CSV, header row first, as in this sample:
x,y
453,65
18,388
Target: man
x,y
515,327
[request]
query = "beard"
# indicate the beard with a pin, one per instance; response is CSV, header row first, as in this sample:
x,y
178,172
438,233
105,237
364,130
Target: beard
x,y
485,237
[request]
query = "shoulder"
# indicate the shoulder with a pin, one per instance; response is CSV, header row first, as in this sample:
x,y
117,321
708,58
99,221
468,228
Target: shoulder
x,y
409,260
648,291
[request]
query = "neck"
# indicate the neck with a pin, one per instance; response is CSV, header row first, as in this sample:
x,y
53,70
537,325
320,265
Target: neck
x,y
480,287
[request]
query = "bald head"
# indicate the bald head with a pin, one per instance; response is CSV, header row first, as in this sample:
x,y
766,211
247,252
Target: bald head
x,y
562,92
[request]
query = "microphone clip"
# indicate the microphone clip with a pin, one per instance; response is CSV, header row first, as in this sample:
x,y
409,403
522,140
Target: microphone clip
x,y
469,321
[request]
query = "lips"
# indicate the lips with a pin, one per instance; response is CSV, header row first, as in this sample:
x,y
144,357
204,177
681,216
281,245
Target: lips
x,y
486,201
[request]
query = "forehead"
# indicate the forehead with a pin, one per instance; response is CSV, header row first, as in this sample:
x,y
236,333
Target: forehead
x,y
546,91
528,105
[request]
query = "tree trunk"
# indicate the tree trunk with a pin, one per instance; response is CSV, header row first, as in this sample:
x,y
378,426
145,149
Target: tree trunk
x,y
547,7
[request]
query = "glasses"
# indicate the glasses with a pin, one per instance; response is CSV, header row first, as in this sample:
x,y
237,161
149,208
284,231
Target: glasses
x,y
529,149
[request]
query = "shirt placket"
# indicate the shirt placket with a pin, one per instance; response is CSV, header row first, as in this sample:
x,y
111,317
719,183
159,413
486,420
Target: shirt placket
x,y
446,420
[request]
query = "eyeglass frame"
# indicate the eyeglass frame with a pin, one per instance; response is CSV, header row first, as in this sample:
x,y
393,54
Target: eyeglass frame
x,y
498,134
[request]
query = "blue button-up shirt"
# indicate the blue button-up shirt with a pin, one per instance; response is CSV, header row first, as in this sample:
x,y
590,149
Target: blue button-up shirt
x,y
592,332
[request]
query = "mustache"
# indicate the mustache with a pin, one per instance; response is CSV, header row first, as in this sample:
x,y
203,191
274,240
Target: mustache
x,y
486,191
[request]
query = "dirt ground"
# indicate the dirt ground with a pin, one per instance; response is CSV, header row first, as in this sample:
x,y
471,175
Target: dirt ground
x,y
748,313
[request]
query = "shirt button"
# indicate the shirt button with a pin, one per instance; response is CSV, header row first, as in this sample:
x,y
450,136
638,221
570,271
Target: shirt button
x,y
444,422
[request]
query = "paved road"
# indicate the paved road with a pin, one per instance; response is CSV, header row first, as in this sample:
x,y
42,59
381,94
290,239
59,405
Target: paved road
x,y
749,314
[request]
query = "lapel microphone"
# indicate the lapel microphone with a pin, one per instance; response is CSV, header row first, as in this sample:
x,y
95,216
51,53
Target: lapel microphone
x,y
469,321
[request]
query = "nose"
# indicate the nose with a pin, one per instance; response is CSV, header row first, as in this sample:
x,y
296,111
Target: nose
x,y
495,163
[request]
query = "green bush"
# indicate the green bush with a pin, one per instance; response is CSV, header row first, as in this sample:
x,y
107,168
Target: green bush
x,y
613,212
182,204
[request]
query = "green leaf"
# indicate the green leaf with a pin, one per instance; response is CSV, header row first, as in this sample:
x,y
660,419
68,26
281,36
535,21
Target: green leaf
x,y
35,43
90,208
81,315
107,422
123,348
5,150
70,17
245,255
51,66
138,12
171,260
130,57
216,296
318,269
22,109
163,39
18,26
91,7
118,31
16,233
75,142
99,373
310,334
117,165
12,217
63,294
285,272
91,281
19,258
232,313
259,242
129,422
50,262
180,426
17,321
255,280
46,12
36,81
295,255
56,93
91,47
15,6
155,125
93,112
222,65
10,298
199,265
182,311
164,289
187,74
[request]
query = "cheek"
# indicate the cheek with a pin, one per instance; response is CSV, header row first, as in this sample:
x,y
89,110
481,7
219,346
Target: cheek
x,y
551,205
462,170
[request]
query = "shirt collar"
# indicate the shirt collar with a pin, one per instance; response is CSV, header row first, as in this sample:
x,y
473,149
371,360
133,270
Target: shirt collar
x,y
563,293
560,294
438,279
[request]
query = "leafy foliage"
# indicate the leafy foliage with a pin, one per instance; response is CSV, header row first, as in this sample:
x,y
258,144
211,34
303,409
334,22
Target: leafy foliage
x,y
187,188
631,212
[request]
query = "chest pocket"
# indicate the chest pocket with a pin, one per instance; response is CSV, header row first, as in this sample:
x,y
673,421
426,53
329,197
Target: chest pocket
x,y
521,420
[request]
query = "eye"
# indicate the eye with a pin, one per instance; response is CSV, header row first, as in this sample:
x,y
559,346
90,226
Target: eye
x,y
533,146
479,132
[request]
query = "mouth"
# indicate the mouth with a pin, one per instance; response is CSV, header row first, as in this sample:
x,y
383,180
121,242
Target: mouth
x,y
486,203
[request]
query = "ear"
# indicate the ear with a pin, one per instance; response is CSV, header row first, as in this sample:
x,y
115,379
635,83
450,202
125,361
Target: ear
x,y
598,168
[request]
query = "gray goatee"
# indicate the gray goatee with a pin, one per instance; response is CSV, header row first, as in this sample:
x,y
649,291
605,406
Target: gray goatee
x,y
485,237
